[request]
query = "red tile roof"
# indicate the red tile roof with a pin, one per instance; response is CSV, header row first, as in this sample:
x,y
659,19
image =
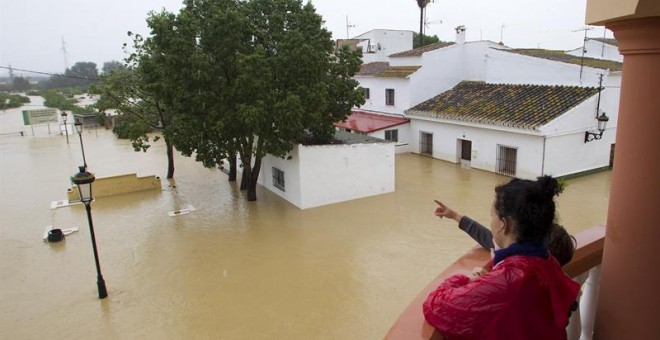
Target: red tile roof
x,y
366,122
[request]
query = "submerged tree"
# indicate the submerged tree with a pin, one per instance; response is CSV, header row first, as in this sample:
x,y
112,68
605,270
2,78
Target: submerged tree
x,y
135,90
251,78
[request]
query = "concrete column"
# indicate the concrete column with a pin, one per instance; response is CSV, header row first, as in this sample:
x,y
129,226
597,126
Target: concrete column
x,y
629,298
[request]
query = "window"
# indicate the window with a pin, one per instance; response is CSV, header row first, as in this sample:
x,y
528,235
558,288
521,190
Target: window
x,y
426,143
366,93
389,96
506,160
278,178
392,135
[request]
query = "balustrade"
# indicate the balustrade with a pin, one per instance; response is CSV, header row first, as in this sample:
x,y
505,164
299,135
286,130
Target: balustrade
x,y
584,268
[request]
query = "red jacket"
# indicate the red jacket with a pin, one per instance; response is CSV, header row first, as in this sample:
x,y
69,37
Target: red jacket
x,y
523,297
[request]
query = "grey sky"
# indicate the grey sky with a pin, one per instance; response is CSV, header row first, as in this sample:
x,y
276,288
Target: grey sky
x,y
31,31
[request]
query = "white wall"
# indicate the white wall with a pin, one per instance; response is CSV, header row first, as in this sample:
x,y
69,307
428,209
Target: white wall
x,y
566,151
291,167
441,70
391,41
377,86
598,50
403,145
484,144
325,174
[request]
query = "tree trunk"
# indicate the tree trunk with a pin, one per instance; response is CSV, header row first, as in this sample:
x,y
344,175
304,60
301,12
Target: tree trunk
x,y
170,159
232,168
254,176
245,177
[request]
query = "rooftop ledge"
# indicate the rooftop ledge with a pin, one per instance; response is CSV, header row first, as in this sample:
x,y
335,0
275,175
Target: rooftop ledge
x,y
411,323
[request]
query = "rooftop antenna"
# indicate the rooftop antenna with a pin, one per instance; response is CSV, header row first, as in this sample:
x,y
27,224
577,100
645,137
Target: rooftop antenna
x,y
584,47
427,23
348,27
64,53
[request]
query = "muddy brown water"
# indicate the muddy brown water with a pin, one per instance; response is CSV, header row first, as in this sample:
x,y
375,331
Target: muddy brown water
x,y
230,269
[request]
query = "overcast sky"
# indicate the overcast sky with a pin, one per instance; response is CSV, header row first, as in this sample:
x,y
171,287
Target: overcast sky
x,y
31,31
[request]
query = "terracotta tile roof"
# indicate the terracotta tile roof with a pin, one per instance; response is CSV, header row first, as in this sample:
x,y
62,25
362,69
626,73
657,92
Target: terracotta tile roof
x,y
372,69
416,52
398,71
369,122
567,58
608,41
383,69
518,106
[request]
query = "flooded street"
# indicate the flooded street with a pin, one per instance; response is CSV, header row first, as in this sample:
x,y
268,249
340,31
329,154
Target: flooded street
x,y
230,269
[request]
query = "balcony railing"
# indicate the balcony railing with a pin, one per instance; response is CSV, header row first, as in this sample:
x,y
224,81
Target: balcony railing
x,y
584,268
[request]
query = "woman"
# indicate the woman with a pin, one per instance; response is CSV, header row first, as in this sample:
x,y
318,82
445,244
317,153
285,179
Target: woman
x,y
560,243
526,295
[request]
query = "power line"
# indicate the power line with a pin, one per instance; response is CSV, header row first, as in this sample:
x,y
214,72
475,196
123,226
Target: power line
x,y
47,74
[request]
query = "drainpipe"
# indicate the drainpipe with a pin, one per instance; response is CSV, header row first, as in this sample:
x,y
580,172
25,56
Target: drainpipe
x,y
543,160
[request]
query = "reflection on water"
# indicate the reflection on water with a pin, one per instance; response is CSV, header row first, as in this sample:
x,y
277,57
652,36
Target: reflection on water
x,y
231,269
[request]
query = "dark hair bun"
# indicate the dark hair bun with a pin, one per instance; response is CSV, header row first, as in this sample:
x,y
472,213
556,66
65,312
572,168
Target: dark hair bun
x,y
549,186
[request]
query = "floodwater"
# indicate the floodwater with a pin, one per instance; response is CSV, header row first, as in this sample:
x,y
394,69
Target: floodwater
x,y
230,269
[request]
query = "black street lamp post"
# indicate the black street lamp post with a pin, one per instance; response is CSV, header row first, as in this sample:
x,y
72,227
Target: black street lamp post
x,y
83,180
79,128
66,130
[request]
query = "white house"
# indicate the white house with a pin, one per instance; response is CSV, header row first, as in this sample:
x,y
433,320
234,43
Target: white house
x,y
378,44
412,77
317,175
599,48
517,130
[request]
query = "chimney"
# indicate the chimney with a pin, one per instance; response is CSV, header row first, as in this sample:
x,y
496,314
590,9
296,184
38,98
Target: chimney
x,y
460,34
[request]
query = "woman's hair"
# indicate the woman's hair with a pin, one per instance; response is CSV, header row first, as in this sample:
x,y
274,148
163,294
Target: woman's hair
x,y
529,205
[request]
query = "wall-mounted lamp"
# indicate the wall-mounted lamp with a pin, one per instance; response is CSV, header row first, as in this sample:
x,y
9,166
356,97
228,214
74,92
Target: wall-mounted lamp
x,y
602,125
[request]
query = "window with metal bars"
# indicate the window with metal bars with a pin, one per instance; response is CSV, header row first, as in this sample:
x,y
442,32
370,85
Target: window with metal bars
x,y
389,97
507,158
426,143
278,178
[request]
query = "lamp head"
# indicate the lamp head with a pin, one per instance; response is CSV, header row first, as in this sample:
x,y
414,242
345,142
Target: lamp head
x,y
79,125
602,121
83,180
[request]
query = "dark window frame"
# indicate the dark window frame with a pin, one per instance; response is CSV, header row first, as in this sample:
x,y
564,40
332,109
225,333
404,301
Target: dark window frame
x,y
278,179
392,135
507,160
389,97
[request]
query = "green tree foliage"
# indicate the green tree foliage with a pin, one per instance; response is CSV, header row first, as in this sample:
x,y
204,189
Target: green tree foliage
x,y
20,84
133,89
110,66
81,75
428,40
10,101
250,78
422,7
58,100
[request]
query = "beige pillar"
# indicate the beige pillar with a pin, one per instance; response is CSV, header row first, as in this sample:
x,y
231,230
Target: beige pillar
x,y
629,298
